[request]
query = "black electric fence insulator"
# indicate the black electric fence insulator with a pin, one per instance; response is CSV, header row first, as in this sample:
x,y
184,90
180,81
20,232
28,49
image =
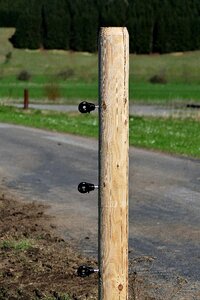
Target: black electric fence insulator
x,y
85,271
85,187
86,107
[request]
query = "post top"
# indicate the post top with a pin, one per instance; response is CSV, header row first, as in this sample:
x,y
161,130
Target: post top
x,y
106,31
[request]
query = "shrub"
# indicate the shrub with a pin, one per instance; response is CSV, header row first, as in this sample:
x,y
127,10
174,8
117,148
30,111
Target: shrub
x,y
52,91
8,57
24,76
158,78
66,74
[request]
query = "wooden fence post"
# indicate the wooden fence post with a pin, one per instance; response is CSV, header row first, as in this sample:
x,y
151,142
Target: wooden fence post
x,y
113,163
26,99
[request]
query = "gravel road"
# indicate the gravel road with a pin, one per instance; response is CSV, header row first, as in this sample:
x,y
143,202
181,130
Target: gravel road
x,y
164,196
137,110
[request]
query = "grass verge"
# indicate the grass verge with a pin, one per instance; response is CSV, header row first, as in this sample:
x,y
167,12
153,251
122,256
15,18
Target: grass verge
x,y
20,245
172,135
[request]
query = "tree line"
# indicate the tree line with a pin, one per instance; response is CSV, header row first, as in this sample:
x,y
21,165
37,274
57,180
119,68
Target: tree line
x,y
155,26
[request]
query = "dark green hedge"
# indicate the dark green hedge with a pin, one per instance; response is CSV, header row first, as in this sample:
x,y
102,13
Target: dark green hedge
x,y
154,25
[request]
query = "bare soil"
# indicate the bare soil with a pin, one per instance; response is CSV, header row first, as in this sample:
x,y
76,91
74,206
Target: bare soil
x,y
47,266
37,264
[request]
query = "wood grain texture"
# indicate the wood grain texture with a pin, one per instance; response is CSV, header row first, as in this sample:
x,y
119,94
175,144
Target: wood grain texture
x,y
113,158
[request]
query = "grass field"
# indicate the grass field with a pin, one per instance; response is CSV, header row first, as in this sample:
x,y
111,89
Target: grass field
x,y
66,76
172,135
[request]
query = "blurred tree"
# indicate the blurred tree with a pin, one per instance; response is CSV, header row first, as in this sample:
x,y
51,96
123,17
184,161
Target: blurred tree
x,y
162,26
9,12
84,25
28,33
140,25
55,25
154,26
113,12
195,24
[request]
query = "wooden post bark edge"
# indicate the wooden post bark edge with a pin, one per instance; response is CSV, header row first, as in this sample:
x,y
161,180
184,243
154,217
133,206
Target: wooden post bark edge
x,y
113,163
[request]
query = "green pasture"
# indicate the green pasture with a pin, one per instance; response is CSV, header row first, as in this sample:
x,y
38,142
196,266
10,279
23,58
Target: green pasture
x,y
171,135
65,76
49,89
